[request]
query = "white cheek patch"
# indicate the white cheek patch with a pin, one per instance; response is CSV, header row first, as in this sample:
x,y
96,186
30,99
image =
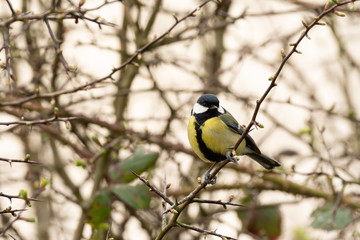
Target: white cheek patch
x,y
198,108
221,110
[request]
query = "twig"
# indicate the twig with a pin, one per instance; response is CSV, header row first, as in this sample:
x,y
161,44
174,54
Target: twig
x,y
11,9
205,232
163,216
327,148
33,198
6,46
337,205
187,200
10,197
115,70
10,161
57,48
11,236
286,57
12,211
42,121
108,232
181,205
218,202
166,199
53,15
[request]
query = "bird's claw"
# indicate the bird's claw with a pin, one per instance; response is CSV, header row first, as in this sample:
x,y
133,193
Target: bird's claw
x,y
211,181
208,180
231,158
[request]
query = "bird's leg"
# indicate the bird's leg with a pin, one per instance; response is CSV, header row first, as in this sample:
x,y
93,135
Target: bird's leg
x,y
207,175
230,157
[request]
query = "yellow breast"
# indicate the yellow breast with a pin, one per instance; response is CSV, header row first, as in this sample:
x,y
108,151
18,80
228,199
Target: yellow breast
x,y
216,135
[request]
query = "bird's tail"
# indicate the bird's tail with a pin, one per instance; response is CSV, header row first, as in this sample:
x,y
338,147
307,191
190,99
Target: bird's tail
x,y
265,161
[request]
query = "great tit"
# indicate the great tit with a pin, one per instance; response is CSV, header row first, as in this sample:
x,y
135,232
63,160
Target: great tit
x,y
212,131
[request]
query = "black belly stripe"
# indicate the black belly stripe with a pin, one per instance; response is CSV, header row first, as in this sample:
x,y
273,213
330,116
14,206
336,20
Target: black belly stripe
x,y
208,153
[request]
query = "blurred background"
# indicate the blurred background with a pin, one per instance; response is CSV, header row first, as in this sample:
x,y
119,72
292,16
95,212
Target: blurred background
x,y
94,89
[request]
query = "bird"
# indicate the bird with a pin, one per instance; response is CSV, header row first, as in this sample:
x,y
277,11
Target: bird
x,y
213,131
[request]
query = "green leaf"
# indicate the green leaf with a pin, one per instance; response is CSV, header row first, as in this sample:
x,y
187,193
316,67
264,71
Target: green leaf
x,y
139,162
262,220
324,217
100,210
135,196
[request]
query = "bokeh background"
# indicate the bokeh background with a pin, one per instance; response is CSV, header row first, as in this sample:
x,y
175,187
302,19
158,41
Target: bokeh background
x,y
94,89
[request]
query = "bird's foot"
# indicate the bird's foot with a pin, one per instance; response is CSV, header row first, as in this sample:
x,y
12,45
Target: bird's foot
x,y
209,180
230,157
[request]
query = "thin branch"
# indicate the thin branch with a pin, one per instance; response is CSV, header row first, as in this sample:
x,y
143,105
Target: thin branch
x,y
205,232
181,205
336,206
217,202
6,46
155,190
115,70
10,161
27,201
10,197
41,121
57,48
286,57
11,9
163,215
188,199
12,237
108,232
53,15
12,211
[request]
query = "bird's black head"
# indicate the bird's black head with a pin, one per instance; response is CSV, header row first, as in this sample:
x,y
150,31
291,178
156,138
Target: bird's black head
x,y
207,106
209,101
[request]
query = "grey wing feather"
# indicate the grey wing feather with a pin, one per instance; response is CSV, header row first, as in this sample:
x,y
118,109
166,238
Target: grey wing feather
x,y
231,122
251,149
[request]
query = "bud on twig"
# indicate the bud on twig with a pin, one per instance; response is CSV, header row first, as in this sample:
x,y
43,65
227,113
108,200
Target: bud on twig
x,y
340,14
231,197
304,23
283,54
175,17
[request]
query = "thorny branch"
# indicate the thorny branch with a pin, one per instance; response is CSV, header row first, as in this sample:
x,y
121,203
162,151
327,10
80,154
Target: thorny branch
x,y
13,211
130,60
176,207
58,48
10,197
189,199
286,57
10,161
42,121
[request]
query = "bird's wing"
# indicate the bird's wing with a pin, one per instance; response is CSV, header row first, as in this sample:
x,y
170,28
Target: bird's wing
x,y
231,122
